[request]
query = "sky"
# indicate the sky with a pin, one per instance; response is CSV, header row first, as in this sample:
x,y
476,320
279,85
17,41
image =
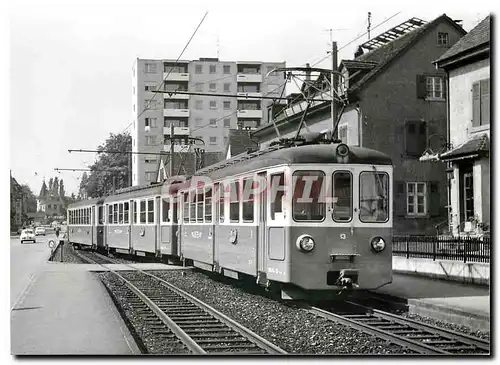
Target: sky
x,y
70,62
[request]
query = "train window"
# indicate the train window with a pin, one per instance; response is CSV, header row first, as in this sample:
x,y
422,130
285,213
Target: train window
x,y
277,193
110,214
373,196
100,216
142,214
115,213
79,216
165,207
221,202
199,205
248,200
192,206
126,213
120,213
234,201
308,203
134,211
208,205
342,196
151,212
185,205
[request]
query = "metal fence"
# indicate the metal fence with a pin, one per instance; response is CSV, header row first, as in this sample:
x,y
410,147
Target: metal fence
x,y
465,249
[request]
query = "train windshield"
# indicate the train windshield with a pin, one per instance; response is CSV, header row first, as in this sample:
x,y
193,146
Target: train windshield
x,y
308,202
342,196
373,196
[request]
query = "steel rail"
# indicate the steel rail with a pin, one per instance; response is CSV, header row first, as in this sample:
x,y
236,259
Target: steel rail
x,y
461,337
259,341
183,336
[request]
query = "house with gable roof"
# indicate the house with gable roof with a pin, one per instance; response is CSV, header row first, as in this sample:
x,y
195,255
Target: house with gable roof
x,y
394,101
467,66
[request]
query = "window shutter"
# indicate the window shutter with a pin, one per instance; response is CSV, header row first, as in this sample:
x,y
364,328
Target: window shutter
x,y
444,83
399,198
411,138
485,101
476,108
421,86
422,137
434,203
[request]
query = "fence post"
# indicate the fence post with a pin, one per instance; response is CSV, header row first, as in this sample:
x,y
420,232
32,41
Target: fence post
x,y
407,247
465,248
434,244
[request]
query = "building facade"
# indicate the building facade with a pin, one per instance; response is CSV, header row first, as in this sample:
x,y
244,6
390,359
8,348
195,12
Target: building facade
x,y
207,115
394,101
467,65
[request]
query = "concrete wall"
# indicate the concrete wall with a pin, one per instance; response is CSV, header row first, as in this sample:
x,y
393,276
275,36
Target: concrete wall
x,y
461,80
476,273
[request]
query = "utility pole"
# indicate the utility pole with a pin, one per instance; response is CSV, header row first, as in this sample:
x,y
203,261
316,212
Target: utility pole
x,y
130,169
369,23
171,170
334,87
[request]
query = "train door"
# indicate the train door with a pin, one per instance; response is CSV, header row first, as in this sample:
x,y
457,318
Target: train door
x,y
173,212
262,236
93,230
100,226
130,220
157,219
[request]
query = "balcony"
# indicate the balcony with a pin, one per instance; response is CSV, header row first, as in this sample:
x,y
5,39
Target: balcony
x,y
176,96
250,114
249,78
176,113
243,95
176,76
178,131
177,148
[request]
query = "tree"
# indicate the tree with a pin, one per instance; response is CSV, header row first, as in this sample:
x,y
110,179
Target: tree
x,y
30,199
62,193
43,190
51,182
55,186
111,169
82,192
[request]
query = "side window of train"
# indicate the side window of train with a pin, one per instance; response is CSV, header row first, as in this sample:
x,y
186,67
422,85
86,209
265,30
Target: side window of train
x,y
277,194
135,212
115,213
120,213
199,205
342,196
234,201
99,215
185,204
142,214
151,211
208,205
126,213
221,202
165,207
110,213
192,206
248,200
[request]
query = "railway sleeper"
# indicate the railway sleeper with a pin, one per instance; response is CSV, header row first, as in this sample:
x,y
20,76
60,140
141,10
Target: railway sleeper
x,y
222,341
441,342
215,347
211,326
215,335
458,348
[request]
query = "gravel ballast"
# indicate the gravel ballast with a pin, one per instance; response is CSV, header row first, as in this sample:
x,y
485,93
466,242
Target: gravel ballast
x,y
292,329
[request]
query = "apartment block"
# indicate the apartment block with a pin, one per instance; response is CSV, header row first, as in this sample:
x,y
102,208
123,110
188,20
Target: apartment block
x,y
226,95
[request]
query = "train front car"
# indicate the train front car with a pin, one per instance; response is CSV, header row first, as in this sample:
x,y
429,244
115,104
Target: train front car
x,y
334,230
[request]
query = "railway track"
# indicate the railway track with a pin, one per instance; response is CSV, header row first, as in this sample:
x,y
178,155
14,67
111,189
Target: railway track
x,y
418,337
184,322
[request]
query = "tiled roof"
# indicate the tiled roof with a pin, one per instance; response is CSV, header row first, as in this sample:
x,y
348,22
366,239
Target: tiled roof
x,y
477,145
355,64
479,35
386,53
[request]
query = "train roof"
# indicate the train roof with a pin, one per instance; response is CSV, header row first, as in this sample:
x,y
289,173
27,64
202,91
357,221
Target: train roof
x,y
303,154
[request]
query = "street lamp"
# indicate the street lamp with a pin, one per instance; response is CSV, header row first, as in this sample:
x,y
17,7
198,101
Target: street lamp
x,y
429,154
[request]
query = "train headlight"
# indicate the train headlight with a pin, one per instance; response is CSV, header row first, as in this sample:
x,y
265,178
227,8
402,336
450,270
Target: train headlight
x,y
305,243
342,150
378,244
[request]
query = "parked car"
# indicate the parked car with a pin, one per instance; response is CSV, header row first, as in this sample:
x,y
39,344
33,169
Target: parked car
x,y
39,231
27,235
